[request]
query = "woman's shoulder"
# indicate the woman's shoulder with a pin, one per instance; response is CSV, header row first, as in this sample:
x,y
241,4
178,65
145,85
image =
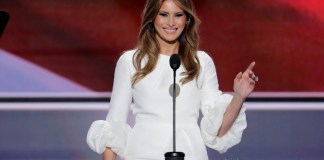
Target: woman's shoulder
x,y
126,59
204,57
127,55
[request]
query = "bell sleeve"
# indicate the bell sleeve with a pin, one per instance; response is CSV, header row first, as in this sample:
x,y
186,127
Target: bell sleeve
x,y
113,131
213,107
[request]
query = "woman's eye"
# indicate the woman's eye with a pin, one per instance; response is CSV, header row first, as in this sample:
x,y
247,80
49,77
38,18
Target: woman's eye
x,y
163,14
179,15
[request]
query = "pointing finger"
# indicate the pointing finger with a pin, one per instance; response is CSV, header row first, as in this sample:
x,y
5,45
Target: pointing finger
x,y
251,66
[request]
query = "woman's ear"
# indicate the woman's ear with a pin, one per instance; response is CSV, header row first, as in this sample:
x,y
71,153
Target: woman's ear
x,y
188,20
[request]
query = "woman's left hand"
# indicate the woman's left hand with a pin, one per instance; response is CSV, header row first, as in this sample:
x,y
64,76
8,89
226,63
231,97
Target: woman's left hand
x,y
244,83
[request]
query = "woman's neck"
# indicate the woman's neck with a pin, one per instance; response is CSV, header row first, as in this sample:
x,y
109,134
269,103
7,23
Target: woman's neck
x,y
169,48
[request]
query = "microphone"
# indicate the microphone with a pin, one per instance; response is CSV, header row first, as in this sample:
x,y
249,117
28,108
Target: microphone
x,y
175,61
174,64
4,18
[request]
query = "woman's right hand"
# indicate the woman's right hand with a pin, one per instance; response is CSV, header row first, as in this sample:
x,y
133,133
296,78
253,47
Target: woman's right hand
x,y
108,154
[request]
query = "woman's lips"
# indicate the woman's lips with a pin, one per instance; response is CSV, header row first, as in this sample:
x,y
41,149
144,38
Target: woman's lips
x,y
170,30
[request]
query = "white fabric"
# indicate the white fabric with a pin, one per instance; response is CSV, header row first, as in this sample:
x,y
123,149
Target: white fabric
x,y
151,135
104,134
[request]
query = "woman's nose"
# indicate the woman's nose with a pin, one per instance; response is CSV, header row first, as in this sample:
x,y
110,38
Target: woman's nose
x,y
171,21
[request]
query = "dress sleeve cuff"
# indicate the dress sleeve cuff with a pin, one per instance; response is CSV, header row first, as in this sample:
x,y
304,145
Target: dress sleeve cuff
x,y
212,121
111,134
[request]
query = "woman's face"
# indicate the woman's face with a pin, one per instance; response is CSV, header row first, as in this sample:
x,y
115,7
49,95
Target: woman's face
x,y
170,22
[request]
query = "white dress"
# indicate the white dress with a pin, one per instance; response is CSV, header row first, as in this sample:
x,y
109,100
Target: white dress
x,y
151,137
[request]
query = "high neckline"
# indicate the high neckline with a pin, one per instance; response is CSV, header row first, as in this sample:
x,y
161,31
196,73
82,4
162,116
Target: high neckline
x,y
165,55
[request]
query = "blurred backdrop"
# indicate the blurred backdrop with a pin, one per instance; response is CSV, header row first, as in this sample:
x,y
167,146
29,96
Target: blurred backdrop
x,y
57,61
81,40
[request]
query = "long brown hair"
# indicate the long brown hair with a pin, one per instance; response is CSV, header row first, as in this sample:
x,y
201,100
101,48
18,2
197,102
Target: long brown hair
x,y
148,46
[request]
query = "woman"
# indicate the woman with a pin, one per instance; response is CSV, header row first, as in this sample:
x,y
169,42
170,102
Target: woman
x,y
144,76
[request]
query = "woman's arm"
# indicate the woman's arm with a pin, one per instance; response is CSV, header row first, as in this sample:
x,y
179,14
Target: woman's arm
x,y
108,154
230,115
244,84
